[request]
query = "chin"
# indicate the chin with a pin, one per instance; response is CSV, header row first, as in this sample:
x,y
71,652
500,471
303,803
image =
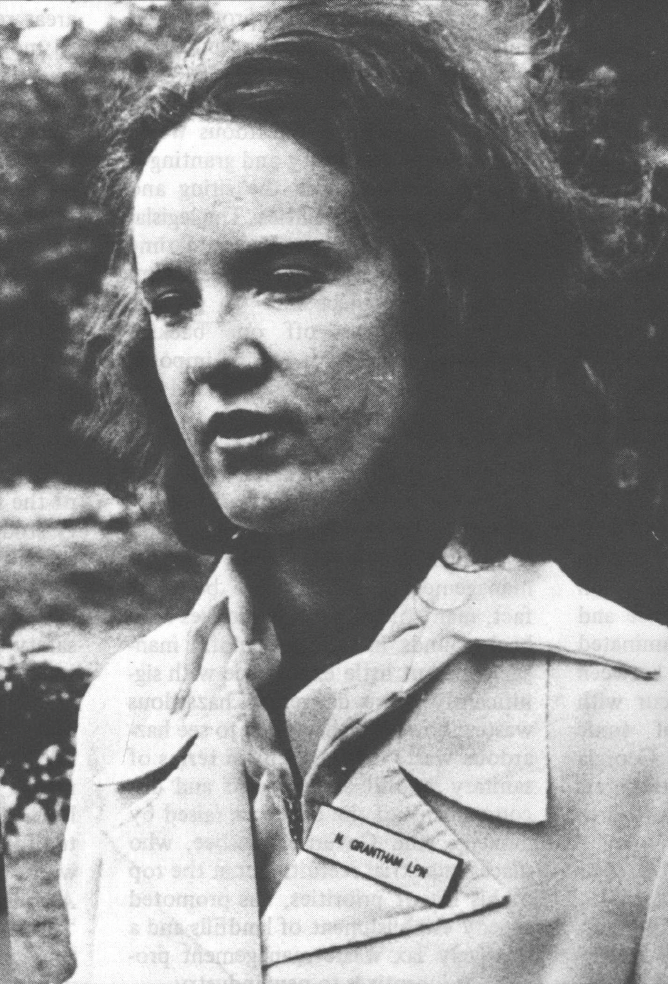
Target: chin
x,y
279,511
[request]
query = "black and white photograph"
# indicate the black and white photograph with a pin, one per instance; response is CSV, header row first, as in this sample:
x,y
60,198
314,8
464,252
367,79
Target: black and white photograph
x,y
333,492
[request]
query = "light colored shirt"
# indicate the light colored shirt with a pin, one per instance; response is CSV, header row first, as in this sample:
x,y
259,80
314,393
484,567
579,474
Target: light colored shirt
x,y
504,718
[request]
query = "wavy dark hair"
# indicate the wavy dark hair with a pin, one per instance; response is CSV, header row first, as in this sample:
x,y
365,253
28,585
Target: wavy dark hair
x,y
425,115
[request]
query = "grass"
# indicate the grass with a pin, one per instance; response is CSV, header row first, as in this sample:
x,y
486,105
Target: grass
x,y
103,588
38,924
92,578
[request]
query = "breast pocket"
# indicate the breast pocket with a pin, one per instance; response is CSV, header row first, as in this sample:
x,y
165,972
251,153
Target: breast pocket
x,y
178,885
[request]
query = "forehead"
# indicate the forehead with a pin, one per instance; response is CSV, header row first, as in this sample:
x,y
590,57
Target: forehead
x,y
237,184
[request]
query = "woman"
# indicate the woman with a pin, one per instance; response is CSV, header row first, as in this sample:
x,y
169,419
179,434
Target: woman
x,y
392,742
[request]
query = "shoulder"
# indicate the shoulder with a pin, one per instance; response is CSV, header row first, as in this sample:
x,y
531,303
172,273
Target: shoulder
x,y
607,707
607,732
608,668
537,606
153,659
144,675
610,716
555,688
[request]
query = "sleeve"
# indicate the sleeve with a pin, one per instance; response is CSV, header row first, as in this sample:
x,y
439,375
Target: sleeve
x,y
652,964
81,861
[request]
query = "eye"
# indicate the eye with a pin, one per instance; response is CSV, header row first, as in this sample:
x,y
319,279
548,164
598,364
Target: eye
x,y
171,304
289,285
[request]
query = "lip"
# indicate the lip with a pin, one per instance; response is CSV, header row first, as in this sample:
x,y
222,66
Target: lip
x,y
237,443
241,428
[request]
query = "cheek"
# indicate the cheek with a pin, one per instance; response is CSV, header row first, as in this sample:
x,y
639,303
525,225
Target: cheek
x,y
356,331
354,376
372,364
173,376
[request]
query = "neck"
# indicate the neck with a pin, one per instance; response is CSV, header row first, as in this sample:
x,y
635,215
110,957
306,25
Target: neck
x,y
330,591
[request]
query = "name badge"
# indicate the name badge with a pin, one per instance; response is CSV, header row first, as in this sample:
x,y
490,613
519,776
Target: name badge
x,y
382,855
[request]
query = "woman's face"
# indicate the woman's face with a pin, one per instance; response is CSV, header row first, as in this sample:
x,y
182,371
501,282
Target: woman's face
x,y
278,326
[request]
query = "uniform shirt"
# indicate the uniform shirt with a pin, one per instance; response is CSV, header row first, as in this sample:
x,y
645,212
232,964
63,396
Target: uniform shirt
x,y
504,719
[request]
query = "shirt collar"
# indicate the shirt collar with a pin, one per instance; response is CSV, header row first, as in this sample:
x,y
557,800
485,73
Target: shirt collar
x,y
461,741
514,605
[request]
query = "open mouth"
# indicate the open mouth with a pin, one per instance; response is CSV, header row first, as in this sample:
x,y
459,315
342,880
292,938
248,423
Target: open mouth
x,y
241,428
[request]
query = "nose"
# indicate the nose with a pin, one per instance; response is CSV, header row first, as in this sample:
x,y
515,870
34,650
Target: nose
x,y
227,353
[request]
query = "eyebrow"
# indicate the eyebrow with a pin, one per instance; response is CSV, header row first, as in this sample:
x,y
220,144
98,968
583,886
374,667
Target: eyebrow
x,y
163,275
247,257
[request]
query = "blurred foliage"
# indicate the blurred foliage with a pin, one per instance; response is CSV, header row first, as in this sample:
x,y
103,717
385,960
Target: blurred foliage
x,y
616,117
71,584
90,574
39,707
54,242
608,120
